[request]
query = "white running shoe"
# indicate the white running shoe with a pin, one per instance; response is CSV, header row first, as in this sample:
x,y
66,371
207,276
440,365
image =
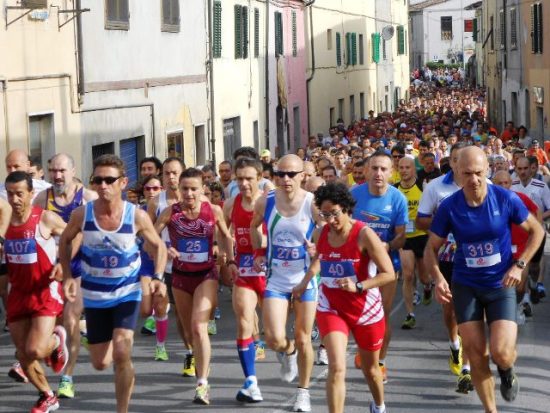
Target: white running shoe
x,y
289,367
302,403
250,392
373,408
520,315
322,356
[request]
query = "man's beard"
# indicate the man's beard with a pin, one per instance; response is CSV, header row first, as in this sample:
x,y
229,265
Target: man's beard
x,y
59,189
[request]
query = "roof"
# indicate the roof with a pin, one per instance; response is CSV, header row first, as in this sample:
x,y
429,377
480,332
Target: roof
x,y
474,6
427,3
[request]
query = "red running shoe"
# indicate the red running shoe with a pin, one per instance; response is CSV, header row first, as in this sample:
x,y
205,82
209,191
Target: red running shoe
x,y
46,403
16,372
60,354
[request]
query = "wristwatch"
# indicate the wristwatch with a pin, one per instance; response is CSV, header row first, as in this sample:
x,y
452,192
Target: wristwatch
x,y
359,287
520,264
159,277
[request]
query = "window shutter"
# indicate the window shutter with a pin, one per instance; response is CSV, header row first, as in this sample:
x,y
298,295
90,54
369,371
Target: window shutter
x,y
256,32
375,38
217,30
348,49
338,50
294,35
354,49
513,29
245,32
502,17
278,34
405,41
474,33
238,32
539,26
400,40
534,40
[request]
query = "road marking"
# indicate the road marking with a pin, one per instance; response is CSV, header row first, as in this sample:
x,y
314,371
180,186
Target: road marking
x,y
288,403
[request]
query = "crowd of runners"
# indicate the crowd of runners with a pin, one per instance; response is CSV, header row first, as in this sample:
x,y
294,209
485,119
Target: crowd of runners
x,y
422,194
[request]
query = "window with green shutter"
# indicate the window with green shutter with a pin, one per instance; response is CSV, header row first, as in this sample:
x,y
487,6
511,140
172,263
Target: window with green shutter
x,y
348,49
241,32
256,32
217,30
338,49
375,39
400,40
474,30
278,34
536,28
354,49
244,31
294,35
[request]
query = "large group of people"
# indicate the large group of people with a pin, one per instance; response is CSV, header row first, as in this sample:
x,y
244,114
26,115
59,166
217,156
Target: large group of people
x,y
429,194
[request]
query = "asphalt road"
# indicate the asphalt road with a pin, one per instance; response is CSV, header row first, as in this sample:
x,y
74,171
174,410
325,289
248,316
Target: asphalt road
x,y
419,379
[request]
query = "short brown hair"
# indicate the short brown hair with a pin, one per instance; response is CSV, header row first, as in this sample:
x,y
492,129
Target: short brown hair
x,y
112,161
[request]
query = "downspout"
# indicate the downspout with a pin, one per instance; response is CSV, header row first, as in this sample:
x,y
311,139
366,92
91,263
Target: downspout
x,y
267,74
79,56
5,104
312,75
210,68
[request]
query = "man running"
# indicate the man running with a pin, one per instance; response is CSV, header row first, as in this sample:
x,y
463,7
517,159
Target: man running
x,y
65,195
35,298
290,217
110,263
484,274
384,209
248,285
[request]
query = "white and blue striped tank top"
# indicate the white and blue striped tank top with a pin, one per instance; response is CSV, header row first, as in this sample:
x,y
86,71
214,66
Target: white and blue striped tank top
x,y
287,256
110,261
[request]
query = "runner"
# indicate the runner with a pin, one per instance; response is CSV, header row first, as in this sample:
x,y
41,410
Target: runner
x,y
110,264
384,209
35,297
411,254
65,195
193,224
248,285
290,217
349,298
484,274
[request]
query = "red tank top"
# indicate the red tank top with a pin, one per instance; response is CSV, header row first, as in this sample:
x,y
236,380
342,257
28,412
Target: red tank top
x,y
241,219
193,238
344,261
30,258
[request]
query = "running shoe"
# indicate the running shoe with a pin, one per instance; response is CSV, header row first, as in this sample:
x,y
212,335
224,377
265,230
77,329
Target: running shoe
x,y
314,332
6,328
149,326
260,350
409,323
527,309
60,354
303,402
65,389
188,366
464,383
520,315
373,408
541,290
357,360
289,366
16,372
534,293
84,341
455,360
46,403
202,394
416,298
384,373
212,328
509,387
217,313
160,353
250,392
322,356
427,295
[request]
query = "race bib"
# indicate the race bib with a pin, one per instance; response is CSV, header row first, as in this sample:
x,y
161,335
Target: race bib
x,y
21,251
193,250
481,254
337,269
410,228
246,262
288,259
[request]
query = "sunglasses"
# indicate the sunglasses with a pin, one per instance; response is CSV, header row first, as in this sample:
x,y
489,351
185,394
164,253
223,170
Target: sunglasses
x,y
152,188
290,174
329,215
109,180
397,156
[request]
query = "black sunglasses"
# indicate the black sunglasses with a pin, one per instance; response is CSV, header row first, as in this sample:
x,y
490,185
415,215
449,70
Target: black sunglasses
x,y
290,174
109,180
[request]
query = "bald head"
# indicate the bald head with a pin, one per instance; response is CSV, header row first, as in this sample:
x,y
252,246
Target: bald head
x,y
290,162
503,179
407,169
17,160
313,183
472,154
65,158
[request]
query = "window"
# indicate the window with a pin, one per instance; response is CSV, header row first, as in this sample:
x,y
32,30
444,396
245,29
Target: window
x,y
256,32
340,109
375,39
170,16
200,145
362,105
131,150
492,30
41,138
352,108
231,136
174,144
117,14
513,29
502,21
536,28
329,39
474,30
102,149
278,34
338,49
241,32
354,49
361,50
217,30
446,28
400,40
294,35
331,116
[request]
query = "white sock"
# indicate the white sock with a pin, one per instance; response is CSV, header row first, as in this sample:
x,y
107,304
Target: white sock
x,y
202,382
466,367
379,409
455,345
382,362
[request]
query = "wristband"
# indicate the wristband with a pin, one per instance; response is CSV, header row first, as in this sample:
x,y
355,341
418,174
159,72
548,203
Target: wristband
x,y
260,252
158,277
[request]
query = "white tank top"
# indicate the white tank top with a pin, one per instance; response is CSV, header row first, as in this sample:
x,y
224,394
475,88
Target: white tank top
x,y
162,205
287,258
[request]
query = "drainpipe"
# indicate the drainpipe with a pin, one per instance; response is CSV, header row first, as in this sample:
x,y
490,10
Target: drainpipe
x,y
79,55
210,68
5,104
267,74
312,75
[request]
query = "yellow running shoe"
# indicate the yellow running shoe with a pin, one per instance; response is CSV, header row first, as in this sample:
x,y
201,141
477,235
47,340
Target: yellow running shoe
x,y
188,366
455,360
260,351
